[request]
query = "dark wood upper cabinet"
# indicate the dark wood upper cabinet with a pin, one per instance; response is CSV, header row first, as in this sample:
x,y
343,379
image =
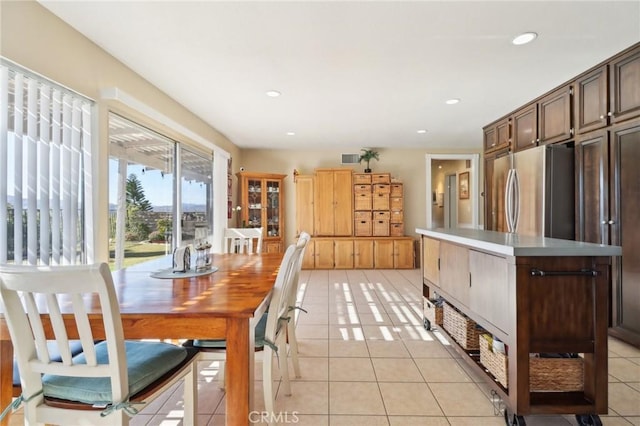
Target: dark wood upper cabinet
x,y
625,86
525,127
497,135
591,100
554,116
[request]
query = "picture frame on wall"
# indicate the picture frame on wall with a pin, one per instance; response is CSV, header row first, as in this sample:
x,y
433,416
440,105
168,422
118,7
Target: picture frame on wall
x,y
463,186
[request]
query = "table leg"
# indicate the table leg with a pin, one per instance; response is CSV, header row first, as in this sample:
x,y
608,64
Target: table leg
x,y
6,376
239,372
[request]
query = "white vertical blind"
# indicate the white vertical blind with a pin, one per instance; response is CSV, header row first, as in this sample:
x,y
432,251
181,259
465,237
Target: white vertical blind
x,y
4,153
49,170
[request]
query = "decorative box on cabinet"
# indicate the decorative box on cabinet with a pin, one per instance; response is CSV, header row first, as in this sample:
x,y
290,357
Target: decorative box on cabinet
x,y
261,198
381,178
361,178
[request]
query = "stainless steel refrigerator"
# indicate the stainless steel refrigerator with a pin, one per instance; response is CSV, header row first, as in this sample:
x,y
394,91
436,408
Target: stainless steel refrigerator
x,y
533,192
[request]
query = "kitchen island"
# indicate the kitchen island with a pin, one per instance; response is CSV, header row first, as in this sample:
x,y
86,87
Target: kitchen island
x,y
539,296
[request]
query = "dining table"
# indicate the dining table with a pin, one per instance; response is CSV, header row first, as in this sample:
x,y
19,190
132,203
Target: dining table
x,y
225,304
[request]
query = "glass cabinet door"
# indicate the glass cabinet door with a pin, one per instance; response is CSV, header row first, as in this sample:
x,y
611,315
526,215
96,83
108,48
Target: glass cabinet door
x,y
272,202
254,201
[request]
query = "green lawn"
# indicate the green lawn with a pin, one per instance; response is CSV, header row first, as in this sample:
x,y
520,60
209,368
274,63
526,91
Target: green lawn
x,y
137,252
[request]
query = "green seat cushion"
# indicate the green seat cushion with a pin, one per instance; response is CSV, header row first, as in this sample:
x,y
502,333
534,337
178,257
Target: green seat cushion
x,y
222,344
146,363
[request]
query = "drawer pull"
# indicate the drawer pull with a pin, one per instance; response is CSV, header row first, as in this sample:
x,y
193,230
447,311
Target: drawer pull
x,y
583,272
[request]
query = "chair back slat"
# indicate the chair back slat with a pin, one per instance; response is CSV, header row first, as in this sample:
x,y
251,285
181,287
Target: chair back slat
x,y
242,240
30,293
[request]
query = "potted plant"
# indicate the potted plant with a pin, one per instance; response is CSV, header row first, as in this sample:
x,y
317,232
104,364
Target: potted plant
x,y
368,155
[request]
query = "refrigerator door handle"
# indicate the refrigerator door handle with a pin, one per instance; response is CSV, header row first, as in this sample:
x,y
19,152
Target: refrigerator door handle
x,y
508,204
516,194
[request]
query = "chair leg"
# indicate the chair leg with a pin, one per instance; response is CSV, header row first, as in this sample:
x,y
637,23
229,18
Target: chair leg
x,y
221,383
293,348
283,364
267,380
191,395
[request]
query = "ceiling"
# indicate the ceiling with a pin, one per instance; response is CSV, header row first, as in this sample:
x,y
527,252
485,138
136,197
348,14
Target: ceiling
x,y
354,74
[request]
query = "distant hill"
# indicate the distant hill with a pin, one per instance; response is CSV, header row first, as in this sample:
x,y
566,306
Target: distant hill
x,y
166,209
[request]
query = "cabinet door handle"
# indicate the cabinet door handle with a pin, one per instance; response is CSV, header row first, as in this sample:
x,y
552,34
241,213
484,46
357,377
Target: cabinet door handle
x,y
610,114
612,222
602,117
438,264
469,279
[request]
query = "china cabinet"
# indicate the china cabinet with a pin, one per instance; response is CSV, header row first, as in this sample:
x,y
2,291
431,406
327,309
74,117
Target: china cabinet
x,y
261,198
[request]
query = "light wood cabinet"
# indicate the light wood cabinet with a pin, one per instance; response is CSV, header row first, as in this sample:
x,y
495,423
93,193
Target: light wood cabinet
x,y
360,253
333,202
262,206
363,254
304,204
343,254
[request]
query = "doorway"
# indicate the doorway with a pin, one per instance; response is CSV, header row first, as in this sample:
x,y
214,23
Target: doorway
x,y
467,204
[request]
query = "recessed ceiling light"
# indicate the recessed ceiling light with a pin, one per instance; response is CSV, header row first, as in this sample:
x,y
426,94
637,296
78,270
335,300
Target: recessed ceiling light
x,y
421,131
524,38
452,101
273,93
291,133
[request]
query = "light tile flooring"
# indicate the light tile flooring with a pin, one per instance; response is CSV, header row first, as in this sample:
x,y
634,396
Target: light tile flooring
x,y
367,360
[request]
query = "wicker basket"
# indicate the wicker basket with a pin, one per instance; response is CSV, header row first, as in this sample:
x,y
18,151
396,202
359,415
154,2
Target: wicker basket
x,y
556,374
495,362
433,313
463,330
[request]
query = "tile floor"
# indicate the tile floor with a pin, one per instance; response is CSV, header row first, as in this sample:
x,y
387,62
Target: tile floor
x,y
367,360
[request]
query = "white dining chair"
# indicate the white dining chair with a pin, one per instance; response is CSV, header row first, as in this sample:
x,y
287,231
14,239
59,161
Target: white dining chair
x,y
270,333
242,240
105,383
303,241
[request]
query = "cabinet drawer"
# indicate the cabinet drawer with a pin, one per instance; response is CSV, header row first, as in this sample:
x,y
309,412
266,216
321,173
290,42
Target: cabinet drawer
x,y
361,178
397,216
380,228
381,178
362,202
396,203
362,228
381,202
362,215
381,188
396,229
362,189
396,189
381,215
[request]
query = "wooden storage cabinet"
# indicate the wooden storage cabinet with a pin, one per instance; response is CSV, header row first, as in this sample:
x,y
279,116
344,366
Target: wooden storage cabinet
x,y
591,100
608,173
497,135
525,127
554,116
431,261
333,202
364,253
262,206
304,204
624,80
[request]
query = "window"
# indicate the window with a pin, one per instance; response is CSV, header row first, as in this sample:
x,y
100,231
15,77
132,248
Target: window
x,y
144,200
45,171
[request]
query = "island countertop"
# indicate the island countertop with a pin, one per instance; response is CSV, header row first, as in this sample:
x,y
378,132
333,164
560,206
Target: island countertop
x,y
519,245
